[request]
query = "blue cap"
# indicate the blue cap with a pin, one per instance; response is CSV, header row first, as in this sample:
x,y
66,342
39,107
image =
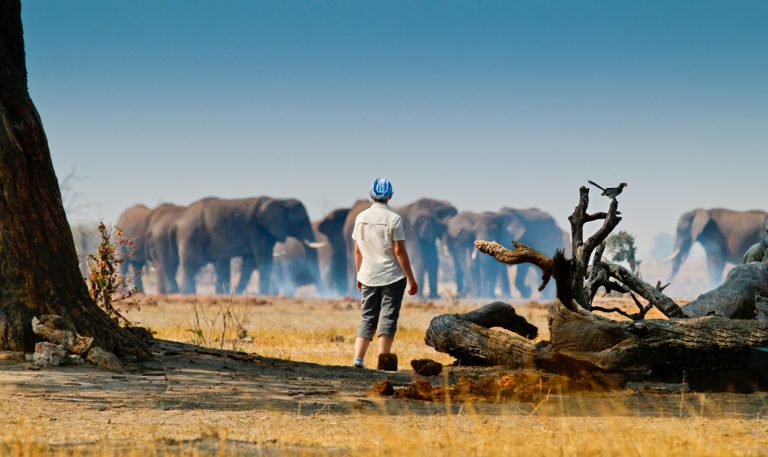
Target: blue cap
x,y
381,189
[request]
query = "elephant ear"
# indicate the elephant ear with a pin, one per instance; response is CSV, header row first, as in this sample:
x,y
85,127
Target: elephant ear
x,y
515,229
426,228
700,222
270,217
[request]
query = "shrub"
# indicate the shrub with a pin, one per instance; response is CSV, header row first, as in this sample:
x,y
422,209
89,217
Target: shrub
x,y
106,285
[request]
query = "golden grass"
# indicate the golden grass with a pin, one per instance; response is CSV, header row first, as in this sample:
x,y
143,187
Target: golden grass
x,y
322,331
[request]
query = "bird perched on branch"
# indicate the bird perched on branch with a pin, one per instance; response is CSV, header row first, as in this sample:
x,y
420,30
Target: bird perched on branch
x,y
611,192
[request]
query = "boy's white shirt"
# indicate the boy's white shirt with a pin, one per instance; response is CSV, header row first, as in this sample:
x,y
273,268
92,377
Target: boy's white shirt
x,y
376,230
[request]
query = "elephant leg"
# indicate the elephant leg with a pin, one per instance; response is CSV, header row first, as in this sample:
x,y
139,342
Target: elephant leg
x,y
166,278
138,269
124,267
418,272
489,273
458,271
339,282
169,279
715,267
223,276
265,276
458,275
503,274
431,266
520,276
246,271
190,266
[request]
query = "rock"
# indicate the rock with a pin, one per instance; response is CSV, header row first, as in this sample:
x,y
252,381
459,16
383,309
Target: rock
x,y
104,359
75,360
12,356
48,355
426,367
382,388
419,390
387,362
51,321
52,328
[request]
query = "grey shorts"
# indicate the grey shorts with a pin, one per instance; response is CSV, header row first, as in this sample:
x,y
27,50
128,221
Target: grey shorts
x,y
381,306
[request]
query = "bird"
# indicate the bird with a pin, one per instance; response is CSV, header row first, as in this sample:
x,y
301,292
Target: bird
x,y
611,192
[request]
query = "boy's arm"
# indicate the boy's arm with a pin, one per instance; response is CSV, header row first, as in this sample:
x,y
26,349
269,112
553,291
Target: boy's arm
x,y
358,262
401,254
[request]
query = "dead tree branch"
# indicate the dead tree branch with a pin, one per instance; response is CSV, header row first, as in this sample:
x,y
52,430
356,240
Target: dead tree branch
x,y
666,305
521,254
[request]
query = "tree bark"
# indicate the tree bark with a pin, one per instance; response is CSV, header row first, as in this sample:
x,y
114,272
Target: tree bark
x,y
38,265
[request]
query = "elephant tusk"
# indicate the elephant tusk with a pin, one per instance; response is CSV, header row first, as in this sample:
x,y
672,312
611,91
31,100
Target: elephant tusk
x,y
474,255
315,244
673,256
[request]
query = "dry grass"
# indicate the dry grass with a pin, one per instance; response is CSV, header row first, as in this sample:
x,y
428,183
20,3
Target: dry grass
x,y
317,331
322,331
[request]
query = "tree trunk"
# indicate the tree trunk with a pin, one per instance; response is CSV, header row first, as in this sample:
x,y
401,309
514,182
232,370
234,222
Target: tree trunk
x,y
39,271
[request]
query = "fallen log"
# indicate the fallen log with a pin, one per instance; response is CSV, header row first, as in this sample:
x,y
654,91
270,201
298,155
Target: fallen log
x,y
475,344
723,331
584,342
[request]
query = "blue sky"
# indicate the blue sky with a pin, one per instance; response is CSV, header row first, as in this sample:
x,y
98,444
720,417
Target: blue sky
x,y
483,103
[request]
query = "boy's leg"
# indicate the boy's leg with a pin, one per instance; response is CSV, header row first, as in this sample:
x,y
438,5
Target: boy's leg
x,y
391,300
385,344
361,346
370,308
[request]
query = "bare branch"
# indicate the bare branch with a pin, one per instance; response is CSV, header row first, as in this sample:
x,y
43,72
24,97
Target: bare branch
x,y
521,254
609,224
595,217
643,309
664,304
614,310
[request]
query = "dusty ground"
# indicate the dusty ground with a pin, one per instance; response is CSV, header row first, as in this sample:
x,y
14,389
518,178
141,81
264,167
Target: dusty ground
x,y
187,401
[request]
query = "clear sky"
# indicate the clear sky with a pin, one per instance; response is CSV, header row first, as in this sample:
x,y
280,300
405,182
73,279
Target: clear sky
x,y
483,103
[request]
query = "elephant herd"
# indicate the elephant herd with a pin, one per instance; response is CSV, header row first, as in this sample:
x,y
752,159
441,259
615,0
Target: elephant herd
x,y
276,238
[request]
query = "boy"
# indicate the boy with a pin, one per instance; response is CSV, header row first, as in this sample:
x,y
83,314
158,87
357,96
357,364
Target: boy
x,y
383,271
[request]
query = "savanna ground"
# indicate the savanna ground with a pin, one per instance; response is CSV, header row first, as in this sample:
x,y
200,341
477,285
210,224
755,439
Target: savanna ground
x,y
299,396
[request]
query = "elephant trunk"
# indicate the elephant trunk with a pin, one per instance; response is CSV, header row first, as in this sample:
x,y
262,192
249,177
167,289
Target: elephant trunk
x,y
307,236
682,248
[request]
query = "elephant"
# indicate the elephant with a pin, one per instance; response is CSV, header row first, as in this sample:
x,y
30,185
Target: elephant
x,y
477,275
291,267
161,247
424,222
347,228
725,235
215,230
133,223
334,255
537,229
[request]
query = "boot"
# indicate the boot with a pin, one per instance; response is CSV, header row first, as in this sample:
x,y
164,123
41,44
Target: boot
x,y
387,362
